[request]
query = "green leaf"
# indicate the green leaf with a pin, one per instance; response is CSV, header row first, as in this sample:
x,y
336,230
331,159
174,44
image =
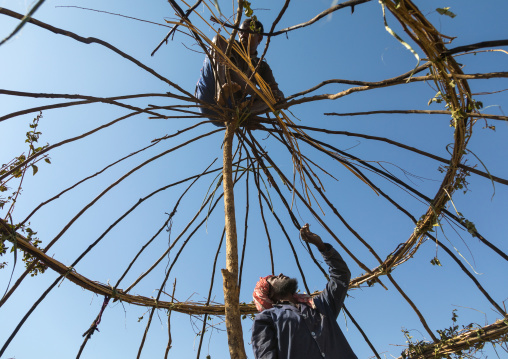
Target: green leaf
x,y
35,169
446,11
246,9
435,262
47,160
454,315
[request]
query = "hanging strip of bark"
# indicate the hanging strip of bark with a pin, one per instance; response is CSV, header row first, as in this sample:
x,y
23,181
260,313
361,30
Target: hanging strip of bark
x,y
230,274
88,334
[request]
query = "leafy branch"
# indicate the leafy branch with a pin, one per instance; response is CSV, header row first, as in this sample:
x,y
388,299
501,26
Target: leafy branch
x,y
32,137
458,343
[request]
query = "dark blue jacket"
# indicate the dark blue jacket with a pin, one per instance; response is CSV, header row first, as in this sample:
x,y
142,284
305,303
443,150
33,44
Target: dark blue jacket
x,y
288,332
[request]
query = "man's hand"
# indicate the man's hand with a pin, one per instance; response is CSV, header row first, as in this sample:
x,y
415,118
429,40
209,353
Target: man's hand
x,y
224,93
233,86
313,238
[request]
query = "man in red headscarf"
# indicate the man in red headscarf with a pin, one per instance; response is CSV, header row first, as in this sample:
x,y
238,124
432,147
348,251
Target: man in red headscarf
x,y
298,326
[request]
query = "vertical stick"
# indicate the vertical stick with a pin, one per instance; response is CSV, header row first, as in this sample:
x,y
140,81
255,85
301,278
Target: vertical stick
x,y
170,340
230,274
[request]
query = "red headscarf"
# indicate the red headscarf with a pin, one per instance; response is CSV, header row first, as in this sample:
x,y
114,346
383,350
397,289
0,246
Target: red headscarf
x,y
263,301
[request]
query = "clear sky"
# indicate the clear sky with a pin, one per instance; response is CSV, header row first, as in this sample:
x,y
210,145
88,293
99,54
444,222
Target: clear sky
x,y
341,46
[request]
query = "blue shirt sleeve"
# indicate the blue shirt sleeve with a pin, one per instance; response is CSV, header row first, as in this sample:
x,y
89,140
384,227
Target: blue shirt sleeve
x,y
264,337
335,292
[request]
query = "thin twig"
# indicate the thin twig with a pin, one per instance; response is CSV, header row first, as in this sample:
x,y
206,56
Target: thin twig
x,y
210,292
478,45
246,225
365,86
91,40
173,29
170,340
74,97
427,112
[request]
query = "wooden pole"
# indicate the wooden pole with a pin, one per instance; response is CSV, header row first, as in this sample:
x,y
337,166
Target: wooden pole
x,y
230,274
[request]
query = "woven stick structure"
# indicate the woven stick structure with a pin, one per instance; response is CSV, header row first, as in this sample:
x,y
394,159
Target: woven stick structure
x,y
244,155
471,340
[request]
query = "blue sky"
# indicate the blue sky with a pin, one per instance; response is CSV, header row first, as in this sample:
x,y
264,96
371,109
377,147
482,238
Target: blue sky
x,y
344,46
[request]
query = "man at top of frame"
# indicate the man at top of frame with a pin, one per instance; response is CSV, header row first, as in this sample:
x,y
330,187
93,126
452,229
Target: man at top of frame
x,y
213,87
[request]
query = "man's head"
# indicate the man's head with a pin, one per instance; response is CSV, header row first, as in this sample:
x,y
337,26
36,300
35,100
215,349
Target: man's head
x,y
282,287
247,37
271,289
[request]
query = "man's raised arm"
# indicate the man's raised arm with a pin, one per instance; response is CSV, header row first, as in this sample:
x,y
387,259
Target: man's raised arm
x,y
335,292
